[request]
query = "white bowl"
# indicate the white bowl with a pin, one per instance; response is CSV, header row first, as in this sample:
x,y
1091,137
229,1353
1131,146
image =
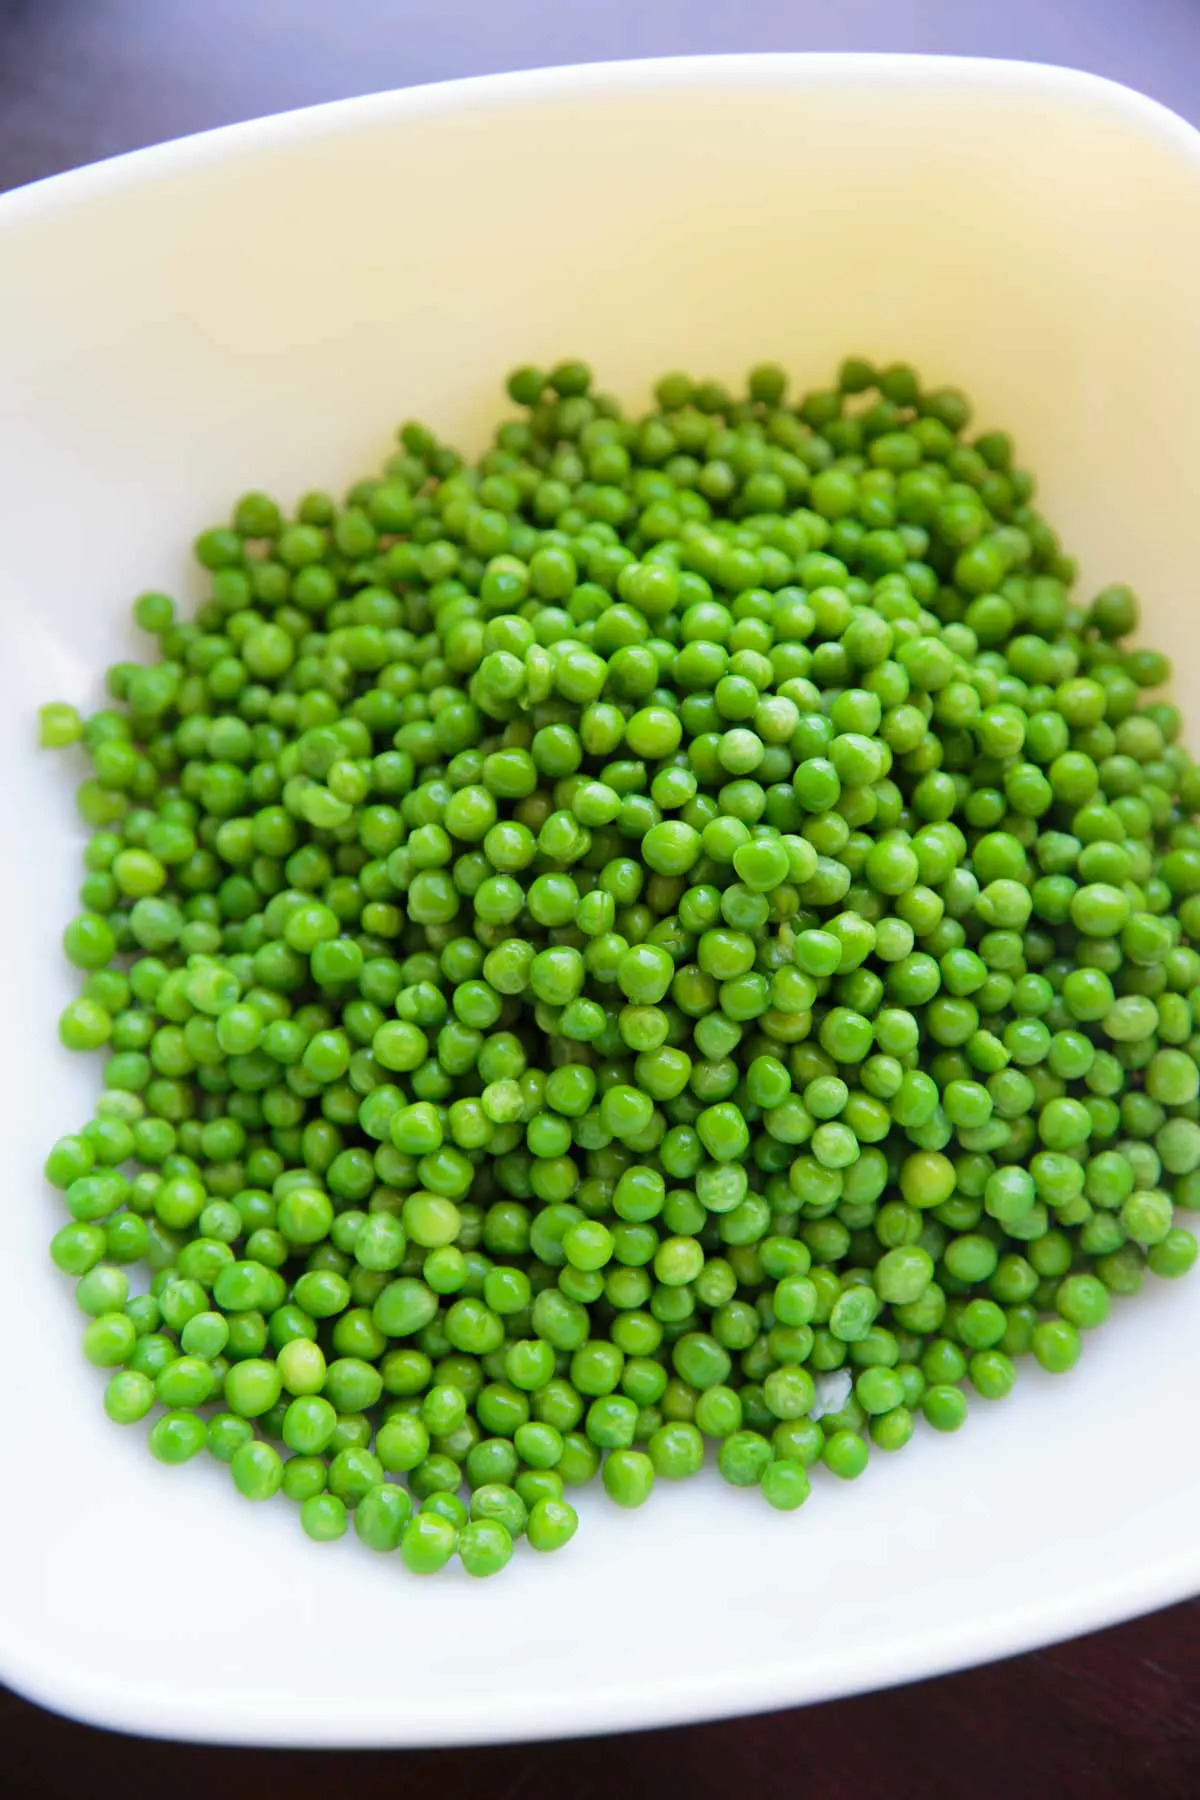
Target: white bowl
x,y
260,306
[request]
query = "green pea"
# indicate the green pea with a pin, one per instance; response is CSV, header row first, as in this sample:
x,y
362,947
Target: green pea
x,y
551,1524
381,1516
587,941
628,1477
177,1436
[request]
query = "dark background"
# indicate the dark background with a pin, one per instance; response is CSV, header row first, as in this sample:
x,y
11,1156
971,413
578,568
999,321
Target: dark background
x,y
1115,1716
82,79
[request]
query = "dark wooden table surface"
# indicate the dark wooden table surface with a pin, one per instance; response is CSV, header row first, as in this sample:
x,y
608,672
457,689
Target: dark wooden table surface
x,y
1115,1716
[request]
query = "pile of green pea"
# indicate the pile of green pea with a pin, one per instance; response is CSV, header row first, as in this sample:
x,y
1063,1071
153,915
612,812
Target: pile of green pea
x,y
587,942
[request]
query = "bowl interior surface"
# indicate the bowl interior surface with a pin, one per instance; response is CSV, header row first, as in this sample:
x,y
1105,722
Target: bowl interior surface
x,y
260,309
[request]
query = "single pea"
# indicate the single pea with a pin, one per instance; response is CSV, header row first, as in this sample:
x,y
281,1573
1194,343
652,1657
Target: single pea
x,y
1173,1255
743,1457
499,1501
226,1435
484,1547
785,1484
381,1516
128,1397
628,1477
303,1477
845,1455
1083,1301
252,1387
257,1470
551,1524
427,1543
1056,1345
944,1407
177,1436
992,1374
323,1518
676,1450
